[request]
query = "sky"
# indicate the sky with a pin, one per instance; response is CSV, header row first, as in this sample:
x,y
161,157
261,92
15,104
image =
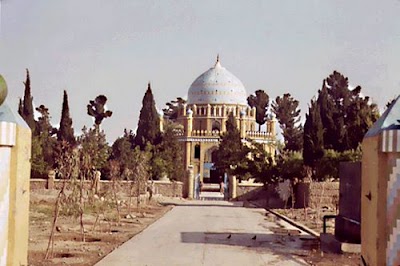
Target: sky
x,y
116,47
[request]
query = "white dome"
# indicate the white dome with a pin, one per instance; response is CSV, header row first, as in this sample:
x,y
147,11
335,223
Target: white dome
x,y
217,86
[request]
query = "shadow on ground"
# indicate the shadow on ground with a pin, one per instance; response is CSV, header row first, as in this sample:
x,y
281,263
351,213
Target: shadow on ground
x,y
289,245
198,203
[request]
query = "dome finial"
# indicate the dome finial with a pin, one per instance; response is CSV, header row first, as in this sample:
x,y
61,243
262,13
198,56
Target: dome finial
x,y
217,64
3,90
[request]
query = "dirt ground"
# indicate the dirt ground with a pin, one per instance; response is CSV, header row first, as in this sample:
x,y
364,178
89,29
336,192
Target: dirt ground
x,y
101,239
310,218
313,220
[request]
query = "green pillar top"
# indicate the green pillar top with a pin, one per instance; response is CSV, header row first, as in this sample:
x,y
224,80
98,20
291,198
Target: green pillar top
x,y
3,90
389,120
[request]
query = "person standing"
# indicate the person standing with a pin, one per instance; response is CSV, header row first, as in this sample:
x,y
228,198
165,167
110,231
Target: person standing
x,y
221,185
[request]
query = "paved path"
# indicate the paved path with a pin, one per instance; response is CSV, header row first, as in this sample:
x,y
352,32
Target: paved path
x,y
196,234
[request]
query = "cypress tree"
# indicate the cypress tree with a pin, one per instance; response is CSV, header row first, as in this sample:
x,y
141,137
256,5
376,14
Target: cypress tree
x,y
66,132
149,122
25,108
332,135
313,149
20,107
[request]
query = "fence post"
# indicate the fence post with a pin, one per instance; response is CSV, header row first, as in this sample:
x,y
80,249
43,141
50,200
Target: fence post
x,y
190,182
232,187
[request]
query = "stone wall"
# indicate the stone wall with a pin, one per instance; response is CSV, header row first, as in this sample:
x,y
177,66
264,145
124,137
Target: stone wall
x,y
168,188
314,194
249,191
317,195
164,188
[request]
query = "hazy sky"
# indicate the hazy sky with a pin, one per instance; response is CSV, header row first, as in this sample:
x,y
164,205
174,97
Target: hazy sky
x,y
116,47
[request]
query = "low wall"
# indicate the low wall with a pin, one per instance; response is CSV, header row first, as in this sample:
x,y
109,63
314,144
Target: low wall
x,y
314,194
249,191
164,188
317,195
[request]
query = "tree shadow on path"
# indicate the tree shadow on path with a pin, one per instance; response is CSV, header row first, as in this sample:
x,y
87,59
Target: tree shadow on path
x,y
289,247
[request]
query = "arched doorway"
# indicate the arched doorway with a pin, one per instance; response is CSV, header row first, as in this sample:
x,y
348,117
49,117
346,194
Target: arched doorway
x,y
214,175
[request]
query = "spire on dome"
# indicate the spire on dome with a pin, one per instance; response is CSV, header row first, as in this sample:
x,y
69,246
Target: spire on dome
x,y
217,64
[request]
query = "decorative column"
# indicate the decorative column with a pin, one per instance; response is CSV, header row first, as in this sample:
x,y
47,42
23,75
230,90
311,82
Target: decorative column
x,y
189,123
190,182
15,152
272,124
242,124
161,115
224,118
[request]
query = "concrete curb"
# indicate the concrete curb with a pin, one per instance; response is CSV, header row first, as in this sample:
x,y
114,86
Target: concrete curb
x,y
290,221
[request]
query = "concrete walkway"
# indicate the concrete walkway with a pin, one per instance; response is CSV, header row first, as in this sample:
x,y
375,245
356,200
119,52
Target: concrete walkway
x,y
198,234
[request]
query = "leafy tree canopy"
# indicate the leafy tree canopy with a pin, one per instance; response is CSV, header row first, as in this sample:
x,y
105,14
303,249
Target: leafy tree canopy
x,y
259,100
288,115
231,151
97,110
345,113
172,109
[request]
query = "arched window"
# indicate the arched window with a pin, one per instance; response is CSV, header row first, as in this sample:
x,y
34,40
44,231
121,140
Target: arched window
x,y
216,126
197,151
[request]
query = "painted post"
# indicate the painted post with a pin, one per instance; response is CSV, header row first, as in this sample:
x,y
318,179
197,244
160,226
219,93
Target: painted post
x,y
232,186
380,191
7,141
15,152
190,182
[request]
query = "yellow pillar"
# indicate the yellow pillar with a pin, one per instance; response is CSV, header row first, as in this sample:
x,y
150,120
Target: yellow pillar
x,y
15,152
6,143
189,123
232,187
242,124
188,153
380,190
19,197
190,182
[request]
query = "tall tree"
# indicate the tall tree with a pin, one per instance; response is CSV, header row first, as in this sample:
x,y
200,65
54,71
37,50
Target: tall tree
x,y
169,155
66,131
345,113
231,150
172,109
313,149
287,112
149,122
95,146
25,108
332,122
259,100
122,151
43,124
45,132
